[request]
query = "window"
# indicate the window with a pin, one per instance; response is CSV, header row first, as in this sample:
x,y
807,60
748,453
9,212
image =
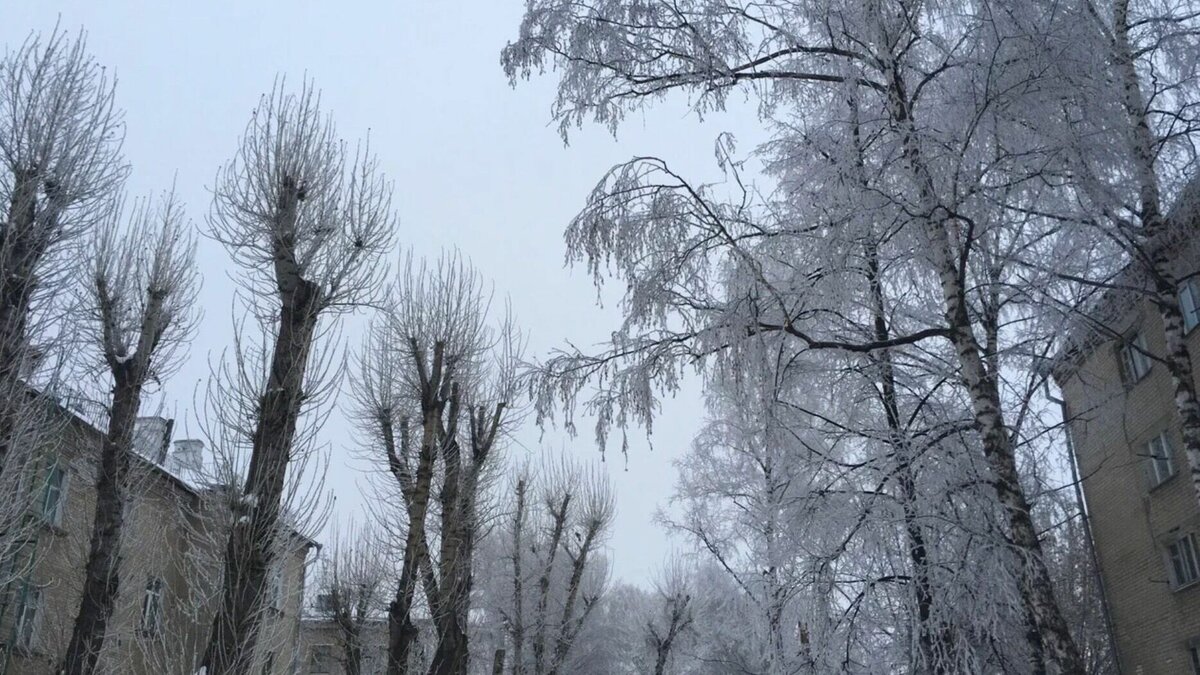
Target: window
x,y
29,616
1194,655
1184,563
325,603
55,495
1189,303
275,588
1134,358
1158,453
320,660
268,666
152,607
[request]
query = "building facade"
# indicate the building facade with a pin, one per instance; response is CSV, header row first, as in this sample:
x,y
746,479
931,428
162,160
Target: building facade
x,y
1144,514
172,550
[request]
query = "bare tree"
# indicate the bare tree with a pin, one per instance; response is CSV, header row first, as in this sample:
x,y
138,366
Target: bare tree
x,y
60,163
352,589
141,290
308,223
676,613
436,394
560,518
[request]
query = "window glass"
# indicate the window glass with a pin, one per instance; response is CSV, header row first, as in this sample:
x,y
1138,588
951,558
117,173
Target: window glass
x,y
28,616
1189,303
1184,567
52,497
1158,452
275,588
152,607
1134,359
321,659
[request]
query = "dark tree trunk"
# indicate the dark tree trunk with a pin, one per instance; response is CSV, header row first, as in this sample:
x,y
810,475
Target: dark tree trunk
x,y
402,633
352,649
931,642
22,246
518,619
101,576
250,550
452,649
539,638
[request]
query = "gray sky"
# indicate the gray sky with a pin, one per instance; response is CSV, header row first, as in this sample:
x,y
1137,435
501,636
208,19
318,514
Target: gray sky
x,y
477,165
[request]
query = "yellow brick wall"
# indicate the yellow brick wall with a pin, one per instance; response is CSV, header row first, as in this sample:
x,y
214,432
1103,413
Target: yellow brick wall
x,y
1130,522
167,535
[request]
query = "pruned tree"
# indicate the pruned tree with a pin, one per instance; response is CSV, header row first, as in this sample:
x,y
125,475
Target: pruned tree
x,y
675,613
141,289
437,396
353,588
60,166
308,222
560,517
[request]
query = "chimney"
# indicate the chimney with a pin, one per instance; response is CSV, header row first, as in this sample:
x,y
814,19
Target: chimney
x,y
188,456
151,437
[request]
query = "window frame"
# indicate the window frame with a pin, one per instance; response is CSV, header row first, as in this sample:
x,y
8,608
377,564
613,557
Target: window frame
x,y
1136,363
55,519
1155,461
26,630
1189,294
1193,648
1186,546
152,599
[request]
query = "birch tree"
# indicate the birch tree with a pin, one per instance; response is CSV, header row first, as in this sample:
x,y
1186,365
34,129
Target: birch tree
x,y
1128,121
141,290
308,221
946,149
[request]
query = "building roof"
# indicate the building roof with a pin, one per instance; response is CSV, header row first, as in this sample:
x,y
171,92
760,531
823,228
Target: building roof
x,y
151,445
1097,322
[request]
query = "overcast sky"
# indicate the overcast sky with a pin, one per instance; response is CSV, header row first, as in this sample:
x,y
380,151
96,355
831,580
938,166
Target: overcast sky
x,y
477,165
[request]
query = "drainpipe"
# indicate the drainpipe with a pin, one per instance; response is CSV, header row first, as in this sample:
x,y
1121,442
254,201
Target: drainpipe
x,y
1081,504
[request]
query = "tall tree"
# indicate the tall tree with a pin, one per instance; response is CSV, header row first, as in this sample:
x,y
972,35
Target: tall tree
x,y
948,154
308,222
141,289
437,395
60,166
1129,124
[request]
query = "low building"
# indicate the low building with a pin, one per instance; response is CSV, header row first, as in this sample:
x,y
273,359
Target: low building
x,y
174,539
322,647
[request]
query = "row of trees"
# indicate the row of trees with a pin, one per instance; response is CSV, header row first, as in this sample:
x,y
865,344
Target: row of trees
x,y
308,220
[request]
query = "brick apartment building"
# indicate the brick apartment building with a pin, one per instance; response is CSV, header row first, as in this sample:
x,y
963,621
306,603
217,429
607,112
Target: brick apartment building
x,y
1144,514
174,539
